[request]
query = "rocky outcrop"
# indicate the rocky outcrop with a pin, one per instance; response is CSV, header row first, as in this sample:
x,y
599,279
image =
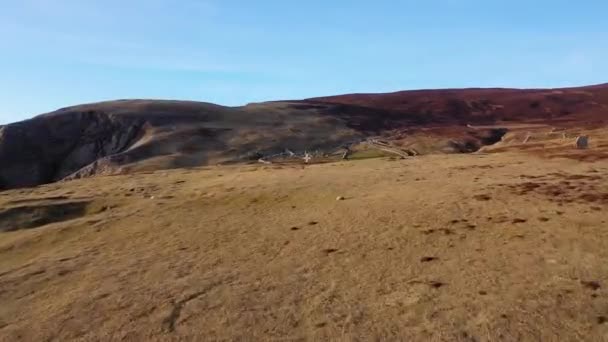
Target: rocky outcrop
x,y
49,148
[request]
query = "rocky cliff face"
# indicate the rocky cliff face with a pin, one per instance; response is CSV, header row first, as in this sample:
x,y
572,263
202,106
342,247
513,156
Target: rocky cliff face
x,y
49,148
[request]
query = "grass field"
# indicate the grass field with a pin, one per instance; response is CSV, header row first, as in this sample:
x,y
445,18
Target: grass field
x,y
450,247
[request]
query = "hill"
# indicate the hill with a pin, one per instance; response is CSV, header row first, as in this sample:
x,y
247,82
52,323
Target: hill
x,y
143,135
479,106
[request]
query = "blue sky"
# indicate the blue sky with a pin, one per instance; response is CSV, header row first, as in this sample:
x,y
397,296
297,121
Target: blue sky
x,y
56,53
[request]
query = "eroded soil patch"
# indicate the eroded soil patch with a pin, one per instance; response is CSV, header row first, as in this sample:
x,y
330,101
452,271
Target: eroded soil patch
x,y
37,215
564,188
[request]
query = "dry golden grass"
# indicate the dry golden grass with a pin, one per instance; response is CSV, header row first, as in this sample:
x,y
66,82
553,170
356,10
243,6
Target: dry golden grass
x,y
453,248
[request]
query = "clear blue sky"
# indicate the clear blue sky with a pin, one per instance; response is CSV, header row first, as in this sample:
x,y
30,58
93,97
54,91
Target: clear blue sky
x,y
55,53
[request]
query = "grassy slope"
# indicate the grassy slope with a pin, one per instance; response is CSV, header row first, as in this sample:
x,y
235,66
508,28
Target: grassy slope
x,y
258,252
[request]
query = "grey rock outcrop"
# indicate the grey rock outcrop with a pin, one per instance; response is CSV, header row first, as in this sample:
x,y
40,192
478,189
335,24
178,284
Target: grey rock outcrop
x,y
49,148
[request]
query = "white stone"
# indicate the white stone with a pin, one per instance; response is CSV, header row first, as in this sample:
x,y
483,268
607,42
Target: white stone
x,y
307,157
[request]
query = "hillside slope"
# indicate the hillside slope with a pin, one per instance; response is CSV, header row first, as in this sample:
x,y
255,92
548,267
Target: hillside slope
x,y
119,136
136,135
463,106
499,247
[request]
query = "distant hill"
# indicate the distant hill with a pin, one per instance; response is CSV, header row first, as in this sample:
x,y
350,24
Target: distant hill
x,y
137,135
462,106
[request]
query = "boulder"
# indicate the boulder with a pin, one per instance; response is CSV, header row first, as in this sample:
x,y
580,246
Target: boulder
x,y
582,142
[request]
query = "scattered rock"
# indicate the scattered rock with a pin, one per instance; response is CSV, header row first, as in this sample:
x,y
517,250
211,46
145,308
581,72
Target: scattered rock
x,y
482,197
593,284
436,284
61,273
428,259
582,142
